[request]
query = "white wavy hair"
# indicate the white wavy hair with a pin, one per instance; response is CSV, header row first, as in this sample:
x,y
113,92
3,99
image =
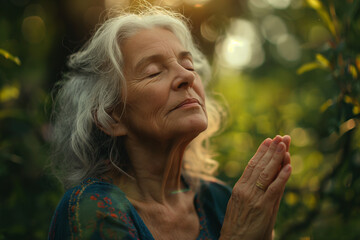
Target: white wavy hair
x,y
95,86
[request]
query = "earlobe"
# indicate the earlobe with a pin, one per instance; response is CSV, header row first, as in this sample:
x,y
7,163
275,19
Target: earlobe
x,y
118,129
115,127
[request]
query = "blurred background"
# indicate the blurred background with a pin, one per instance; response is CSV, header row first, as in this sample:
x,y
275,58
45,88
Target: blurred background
x,y
282,66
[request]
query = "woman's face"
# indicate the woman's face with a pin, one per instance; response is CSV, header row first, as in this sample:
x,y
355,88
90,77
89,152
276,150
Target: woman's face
x,y
165,96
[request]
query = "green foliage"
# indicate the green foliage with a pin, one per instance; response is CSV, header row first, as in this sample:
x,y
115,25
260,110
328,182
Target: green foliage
x,y
28,193
316,101
319,108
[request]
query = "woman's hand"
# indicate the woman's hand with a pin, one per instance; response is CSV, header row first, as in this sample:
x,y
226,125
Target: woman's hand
x,y
255,200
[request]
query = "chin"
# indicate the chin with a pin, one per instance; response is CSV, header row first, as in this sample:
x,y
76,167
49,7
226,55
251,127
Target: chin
x,y
194,127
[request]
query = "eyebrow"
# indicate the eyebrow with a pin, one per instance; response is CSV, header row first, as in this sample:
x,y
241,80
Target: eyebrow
x,y
158,57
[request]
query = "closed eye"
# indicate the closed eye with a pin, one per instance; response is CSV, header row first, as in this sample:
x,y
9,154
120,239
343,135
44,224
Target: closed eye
x,y
154,75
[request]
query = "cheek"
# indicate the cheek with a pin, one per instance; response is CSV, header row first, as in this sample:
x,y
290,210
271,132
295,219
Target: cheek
x,y
147,100
199,88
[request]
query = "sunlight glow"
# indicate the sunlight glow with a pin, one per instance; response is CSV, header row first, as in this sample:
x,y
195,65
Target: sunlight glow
x,y
241,47
116,3
236,51
196,3
281,4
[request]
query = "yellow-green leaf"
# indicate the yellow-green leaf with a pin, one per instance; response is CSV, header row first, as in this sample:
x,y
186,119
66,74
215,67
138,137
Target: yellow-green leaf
x,y
356,110
315,4
323,61
7,55
318,6
308,67
352,71
326,105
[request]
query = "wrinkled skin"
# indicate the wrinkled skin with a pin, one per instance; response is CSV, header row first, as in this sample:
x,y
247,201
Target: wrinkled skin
x,y
251,211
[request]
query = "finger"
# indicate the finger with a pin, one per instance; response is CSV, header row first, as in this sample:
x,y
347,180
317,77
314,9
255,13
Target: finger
x,y
277,187
276,207
272,169
287,159
264,160
287,141
255,159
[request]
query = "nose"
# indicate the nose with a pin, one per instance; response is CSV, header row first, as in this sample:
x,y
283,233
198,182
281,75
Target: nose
x,y
183,78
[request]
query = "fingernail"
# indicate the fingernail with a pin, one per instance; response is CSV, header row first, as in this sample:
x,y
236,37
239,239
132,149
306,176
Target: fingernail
x,y
280,147
277,139
287,168
267,142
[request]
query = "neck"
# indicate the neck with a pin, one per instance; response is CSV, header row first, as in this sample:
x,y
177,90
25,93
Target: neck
x,y
157,173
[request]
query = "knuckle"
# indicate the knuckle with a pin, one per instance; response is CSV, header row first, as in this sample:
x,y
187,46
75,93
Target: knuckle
x,y
273,190
260,168
258,206
252,164
239,193
264,177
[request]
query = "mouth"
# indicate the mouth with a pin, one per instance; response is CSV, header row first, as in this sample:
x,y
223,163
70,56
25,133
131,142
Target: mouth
x,y
188,103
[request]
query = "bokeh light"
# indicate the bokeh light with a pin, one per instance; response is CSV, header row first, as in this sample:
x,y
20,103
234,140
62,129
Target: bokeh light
x,y
291,198
318,33
33,29
288,48
241,46
297,164
281,4
208,30
272,28
300,137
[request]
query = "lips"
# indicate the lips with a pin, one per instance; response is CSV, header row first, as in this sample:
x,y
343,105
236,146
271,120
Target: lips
x,y
186,102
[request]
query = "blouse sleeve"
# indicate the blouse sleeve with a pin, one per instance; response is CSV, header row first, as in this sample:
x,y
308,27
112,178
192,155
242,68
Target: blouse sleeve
x,y
93,212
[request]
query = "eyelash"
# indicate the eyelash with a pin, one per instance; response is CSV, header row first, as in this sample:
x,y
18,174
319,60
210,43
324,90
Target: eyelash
x,y
154,75
158,73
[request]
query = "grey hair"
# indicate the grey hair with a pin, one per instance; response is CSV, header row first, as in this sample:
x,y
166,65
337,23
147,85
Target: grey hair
x,y
95,86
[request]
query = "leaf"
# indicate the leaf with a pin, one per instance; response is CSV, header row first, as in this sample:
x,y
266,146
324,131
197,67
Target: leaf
x,y
315,4
7,55
319,7
326,105
352,71
356,110
323,61
308,67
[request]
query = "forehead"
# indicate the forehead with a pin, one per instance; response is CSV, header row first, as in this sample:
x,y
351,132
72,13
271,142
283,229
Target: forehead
x,y
150,42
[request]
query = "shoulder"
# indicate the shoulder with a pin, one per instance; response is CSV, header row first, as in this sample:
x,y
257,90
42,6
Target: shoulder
x,y
94,209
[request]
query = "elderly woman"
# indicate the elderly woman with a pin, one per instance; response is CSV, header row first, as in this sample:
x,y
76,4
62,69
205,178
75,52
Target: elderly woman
x,y
130,125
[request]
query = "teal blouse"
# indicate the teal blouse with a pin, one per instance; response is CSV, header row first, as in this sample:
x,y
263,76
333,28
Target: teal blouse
x,y
96,209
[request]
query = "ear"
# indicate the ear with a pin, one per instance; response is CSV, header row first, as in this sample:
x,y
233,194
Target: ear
x,y
116,126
